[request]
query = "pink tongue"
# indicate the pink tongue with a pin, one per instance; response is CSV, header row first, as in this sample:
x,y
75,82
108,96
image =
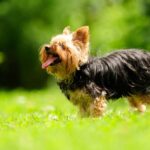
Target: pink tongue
x,y
49,61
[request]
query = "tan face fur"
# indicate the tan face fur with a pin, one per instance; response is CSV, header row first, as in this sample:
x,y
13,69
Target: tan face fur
x,y
72,50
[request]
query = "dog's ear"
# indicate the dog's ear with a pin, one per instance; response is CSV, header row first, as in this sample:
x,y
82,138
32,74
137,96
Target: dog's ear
x,y
81,34
66,30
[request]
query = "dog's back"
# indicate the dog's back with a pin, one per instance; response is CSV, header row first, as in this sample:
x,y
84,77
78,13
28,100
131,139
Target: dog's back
x,y
121,73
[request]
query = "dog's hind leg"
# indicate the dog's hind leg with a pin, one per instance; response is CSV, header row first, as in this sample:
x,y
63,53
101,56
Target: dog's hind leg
x,y
139,102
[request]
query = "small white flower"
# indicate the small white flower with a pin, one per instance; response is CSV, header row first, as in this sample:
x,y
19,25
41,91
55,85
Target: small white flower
x,y
52,117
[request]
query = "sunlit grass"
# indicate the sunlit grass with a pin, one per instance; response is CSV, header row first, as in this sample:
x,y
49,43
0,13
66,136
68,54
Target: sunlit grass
x,y
45,120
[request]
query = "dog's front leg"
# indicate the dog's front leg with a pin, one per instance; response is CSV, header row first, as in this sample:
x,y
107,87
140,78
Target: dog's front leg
x,y
98,106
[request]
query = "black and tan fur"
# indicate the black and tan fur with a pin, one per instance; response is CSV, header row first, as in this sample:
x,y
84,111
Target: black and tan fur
x,y
89,82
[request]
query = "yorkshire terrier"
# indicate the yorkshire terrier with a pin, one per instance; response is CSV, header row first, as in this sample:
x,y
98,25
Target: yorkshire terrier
x,y
89,82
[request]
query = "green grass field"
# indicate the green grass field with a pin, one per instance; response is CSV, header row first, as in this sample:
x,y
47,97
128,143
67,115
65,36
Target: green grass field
x,y
45,120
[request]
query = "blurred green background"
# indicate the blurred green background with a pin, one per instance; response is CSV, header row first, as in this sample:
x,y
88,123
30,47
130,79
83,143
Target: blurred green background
x,y
25,25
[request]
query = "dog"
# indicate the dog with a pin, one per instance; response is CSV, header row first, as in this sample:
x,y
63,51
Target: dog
x,y
89,82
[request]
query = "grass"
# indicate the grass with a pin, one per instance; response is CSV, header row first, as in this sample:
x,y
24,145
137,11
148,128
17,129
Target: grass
x,y
45,120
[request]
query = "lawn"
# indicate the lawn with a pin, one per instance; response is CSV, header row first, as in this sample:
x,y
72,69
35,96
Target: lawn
x,y
45,120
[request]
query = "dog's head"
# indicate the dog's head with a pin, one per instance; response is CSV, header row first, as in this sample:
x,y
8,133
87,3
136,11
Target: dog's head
x,y
66,52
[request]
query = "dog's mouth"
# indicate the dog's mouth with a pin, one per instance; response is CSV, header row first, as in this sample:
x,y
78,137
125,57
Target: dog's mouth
x,y
51,61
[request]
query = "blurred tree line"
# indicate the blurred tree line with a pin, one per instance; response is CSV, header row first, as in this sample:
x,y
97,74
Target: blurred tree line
x,y
27,24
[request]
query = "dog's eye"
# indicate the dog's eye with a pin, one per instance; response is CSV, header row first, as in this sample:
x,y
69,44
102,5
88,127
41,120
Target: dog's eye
x,y
62,46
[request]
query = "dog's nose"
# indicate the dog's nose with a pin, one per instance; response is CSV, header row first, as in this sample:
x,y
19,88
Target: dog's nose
x,y
47,48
